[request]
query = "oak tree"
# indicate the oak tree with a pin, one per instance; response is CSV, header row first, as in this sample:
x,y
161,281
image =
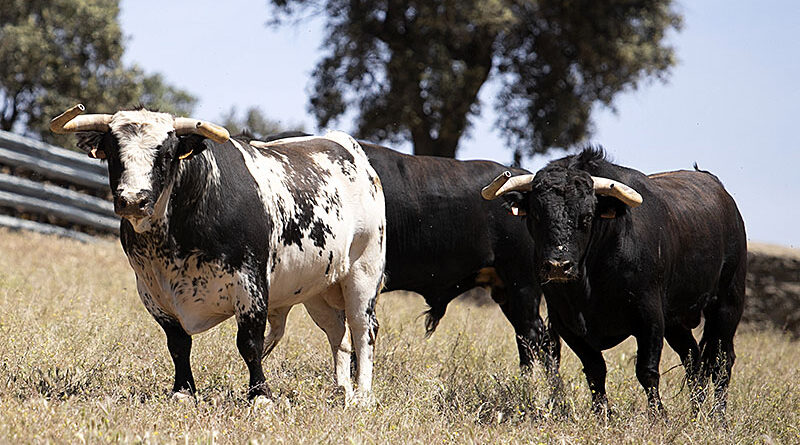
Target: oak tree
x,y
412,69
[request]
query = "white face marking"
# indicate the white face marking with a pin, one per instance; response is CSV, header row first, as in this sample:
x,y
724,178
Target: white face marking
x,y
139,134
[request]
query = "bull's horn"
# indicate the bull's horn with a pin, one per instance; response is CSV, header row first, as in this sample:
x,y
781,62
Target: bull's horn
x,y
490,191
185,125
70,122
609,187
505,183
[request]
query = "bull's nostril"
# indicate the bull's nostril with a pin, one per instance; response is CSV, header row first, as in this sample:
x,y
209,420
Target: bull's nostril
x,y
555,267
137,205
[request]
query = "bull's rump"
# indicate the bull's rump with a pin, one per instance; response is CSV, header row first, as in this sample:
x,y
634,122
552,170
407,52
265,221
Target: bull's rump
x,y
701,238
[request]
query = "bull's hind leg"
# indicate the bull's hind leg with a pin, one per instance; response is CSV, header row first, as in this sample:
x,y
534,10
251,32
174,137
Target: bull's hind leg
x,y
717,353
682,341
332,322
360,290
277,325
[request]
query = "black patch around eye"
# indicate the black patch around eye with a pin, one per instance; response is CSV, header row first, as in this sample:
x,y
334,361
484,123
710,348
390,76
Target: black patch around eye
x,y
518,200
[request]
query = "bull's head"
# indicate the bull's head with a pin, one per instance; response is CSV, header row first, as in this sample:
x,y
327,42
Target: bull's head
x,y
560,206
143,149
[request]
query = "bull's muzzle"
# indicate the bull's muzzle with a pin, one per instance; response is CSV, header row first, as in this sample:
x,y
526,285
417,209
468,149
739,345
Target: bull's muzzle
x,y
559,271
138,205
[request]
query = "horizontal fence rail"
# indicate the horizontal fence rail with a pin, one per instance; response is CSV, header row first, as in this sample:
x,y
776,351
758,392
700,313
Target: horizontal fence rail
x,y
52,202
48,229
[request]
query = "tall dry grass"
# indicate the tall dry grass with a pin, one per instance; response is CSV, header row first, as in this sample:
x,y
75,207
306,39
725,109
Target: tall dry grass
x,y
82,361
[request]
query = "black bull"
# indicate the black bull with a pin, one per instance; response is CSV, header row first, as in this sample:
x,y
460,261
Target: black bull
x,y
443,240
610,271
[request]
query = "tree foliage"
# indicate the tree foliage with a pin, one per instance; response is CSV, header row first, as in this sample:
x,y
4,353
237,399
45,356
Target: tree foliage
x,y
254,122
412,69
55,53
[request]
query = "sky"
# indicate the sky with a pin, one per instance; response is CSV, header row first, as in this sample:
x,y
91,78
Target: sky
x,y
730,104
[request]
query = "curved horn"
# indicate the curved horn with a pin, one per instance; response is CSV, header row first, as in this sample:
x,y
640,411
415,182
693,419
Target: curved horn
x,y
505,183
185,125
490,191
70,122
609,187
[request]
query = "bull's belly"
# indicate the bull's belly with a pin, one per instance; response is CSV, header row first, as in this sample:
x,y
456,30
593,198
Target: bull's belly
x,y
202,307
197,296
290,287
296,274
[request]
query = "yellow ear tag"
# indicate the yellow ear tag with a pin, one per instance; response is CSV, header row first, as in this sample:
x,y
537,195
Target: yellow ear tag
x,y
96,153
185,155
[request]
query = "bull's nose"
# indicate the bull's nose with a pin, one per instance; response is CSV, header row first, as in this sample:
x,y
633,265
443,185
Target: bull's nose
x,y
555,269
133,205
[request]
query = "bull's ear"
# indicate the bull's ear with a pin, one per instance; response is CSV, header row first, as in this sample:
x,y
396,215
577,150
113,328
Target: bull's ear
x,y
610,208
515,203
190,146
90,143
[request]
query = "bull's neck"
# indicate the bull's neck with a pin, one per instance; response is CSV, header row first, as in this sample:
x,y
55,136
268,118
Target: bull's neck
x,y
196,186
189,195
181,211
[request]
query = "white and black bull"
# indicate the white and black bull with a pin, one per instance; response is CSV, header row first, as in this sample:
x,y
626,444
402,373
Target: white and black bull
x,y
214,227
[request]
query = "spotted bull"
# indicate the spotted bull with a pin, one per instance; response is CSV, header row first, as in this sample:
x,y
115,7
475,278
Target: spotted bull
x,y
443,240
214,227
620,253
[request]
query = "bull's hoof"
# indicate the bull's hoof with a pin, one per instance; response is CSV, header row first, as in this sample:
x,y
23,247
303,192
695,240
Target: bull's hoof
x,y
658,416
559,408
361,400
346,391
183,397
263,403
259,390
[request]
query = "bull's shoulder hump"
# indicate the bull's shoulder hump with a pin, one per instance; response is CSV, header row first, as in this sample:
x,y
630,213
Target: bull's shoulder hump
x,y
346,141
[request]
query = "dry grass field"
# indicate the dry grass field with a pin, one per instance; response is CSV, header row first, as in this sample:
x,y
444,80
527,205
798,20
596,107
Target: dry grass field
x,y
82,362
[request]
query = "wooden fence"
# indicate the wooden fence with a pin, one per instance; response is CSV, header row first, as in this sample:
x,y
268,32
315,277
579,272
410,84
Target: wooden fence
x,y
21,195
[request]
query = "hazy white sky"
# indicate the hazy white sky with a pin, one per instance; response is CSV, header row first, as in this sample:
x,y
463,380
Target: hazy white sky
x,y
730,104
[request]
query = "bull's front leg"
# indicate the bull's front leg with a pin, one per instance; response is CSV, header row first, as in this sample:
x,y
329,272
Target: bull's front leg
x,y
594,367
649,343
535,340
179,344
250,341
